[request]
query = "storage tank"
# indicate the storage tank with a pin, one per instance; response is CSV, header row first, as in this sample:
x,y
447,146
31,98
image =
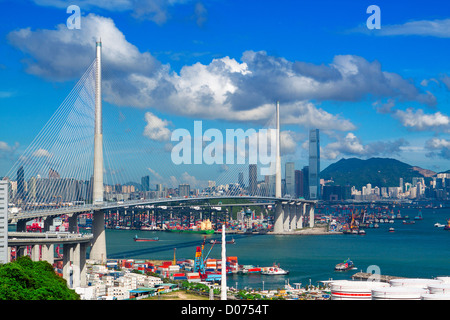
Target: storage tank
x,y
398,293
414,282
354,290
436,296
439,288
444,279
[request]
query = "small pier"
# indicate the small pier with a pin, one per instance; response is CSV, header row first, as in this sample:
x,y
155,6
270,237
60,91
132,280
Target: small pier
x,y
366,276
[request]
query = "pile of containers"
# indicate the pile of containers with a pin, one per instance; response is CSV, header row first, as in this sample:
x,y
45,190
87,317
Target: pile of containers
x,y
396,289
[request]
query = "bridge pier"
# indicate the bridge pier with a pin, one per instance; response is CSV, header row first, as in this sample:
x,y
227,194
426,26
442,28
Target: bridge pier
x,y
294,210
98,249
278,218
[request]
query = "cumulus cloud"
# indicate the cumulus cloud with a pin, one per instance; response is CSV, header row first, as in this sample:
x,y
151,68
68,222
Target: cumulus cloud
x,y
438,148
224,89
417,120
351,145
156,128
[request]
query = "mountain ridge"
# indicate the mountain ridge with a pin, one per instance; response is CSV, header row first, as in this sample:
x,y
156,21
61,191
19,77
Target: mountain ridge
x,y
381,172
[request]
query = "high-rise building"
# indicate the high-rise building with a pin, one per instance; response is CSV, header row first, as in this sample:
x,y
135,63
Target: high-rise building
x,y
145,182
20,183
289,175
252,179
184,190
299,183
306,182
241,180
3,221
314,164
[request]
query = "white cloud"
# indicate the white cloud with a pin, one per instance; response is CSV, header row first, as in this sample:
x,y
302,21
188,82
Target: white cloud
x,y
156,128
417,120
351,145
438,148
433,28
42,153
224,89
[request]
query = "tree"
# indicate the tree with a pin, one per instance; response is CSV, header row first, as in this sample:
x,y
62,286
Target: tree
x,y
24,279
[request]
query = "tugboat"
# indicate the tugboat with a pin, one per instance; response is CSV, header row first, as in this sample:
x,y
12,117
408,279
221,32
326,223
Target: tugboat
x,y
344,266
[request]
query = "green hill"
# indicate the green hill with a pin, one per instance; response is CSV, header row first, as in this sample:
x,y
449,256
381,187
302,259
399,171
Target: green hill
x,y
381,172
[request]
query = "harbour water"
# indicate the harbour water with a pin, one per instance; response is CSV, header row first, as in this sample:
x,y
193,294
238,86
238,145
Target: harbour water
x,y
413,250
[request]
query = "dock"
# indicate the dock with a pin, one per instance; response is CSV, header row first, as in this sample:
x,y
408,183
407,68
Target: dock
x,y
365,276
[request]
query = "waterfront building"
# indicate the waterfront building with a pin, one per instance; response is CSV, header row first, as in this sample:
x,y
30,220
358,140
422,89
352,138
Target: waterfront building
x,y
306,182
20,183
314,164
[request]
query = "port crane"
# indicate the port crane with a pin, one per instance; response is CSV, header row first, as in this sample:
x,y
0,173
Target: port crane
x,y
200,262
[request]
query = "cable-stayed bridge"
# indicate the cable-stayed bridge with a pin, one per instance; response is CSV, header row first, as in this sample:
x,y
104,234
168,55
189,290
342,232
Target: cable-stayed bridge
x,y
73,167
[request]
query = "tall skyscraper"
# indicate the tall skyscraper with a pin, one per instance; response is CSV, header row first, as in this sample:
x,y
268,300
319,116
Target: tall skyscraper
x,y
241,180
289,175
21,183
306,182
252,179
145,182
314,164
299,183
184,190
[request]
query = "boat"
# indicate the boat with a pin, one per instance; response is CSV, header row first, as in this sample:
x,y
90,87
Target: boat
x,y
344,266
419,216
439,225
274,271
361,232
391,229
447,226
209,231
408,222
232,241
144,239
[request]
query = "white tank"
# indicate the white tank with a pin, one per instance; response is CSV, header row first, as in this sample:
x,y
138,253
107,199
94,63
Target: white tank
x,y
354,290
439,288
444,279
414,282
398,293
436,296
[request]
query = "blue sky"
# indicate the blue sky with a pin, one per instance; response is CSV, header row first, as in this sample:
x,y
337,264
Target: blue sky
x,y
382,93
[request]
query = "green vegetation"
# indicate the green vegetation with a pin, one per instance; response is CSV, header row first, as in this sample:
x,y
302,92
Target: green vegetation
x,y
24,279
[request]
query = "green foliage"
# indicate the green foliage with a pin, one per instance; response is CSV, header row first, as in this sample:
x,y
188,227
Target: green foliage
x,y
24,279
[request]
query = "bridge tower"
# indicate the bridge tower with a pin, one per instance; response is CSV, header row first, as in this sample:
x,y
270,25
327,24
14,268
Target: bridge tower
x,y
279,214
98,250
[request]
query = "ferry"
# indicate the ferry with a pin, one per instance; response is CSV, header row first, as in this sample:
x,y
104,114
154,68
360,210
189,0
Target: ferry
x,y
144,239
274,271
344,266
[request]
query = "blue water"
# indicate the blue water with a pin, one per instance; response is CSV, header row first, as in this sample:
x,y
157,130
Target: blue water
x,y
417,250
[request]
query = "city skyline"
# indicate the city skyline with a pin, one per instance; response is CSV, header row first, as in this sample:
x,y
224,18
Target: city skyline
x,y
365,100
